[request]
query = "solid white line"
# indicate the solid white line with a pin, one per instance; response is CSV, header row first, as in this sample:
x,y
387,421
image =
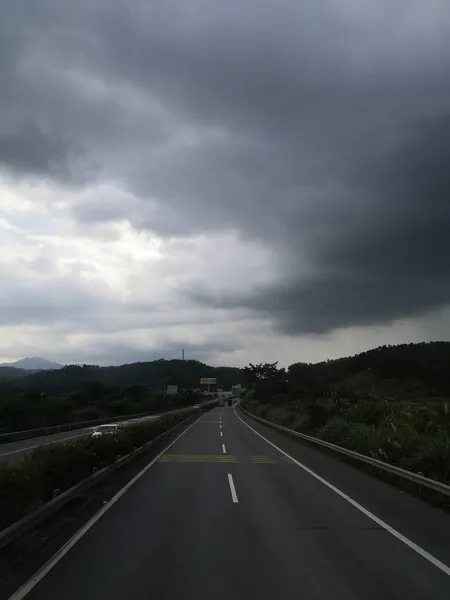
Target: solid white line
x,y
221,434
232,488
37,577
429,557
223,449
72,437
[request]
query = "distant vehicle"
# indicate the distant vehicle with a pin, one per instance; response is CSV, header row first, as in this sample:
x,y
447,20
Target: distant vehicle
x,y
230,401
197,406
110,429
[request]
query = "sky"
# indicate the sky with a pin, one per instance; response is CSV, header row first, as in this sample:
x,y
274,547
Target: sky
x,y
247,180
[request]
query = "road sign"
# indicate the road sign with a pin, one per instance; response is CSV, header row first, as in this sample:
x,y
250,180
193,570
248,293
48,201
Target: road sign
x,y
171,390
208,381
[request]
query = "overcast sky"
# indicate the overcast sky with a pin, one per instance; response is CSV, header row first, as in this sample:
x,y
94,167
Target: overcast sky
x,y
248,179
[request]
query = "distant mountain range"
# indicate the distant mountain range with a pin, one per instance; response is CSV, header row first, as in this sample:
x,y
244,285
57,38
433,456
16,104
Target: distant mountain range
x,y
34,363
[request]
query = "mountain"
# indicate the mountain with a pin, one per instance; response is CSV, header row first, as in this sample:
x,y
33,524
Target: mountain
x,y
33,364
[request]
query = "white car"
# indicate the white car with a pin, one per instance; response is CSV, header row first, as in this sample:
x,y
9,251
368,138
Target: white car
x,y
109,429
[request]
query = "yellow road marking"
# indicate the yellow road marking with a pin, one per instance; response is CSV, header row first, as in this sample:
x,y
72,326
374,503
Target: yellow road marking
x,y
222,458
262,460
198,458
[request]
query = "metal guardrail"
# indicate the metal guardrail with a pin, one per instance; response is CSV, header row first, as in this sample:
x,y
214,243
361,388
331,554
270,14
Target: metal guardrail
x,y
374,462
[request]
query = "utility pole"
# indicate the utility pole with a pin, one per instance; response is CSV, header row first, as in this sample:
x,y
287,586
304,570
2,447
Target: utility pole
x,y
182,354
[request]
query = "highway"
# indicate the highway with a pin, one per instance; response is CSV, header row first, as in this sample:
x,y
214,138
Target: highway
x,y
225,513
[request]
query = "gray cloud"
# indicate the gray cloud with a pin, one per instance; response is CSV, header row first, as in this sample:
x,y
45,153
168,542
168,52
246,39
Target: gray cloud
x,y
27,149
322,133
60,300
385,258
110,353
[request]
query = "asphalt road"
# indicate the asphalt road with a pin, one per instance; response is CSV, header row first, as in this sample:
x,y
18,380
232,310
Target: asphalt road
x,y
15,451
223,514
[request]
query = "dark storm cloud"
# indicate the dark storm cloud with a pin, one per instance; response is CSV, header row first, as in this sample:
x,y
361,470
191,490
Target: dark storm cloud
x,y
25,149
318,129
58,117
387,255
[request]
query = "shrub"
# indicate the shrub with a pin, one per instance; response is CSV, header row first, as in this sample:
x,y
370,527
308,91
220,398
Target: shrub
x,y
367,412
334,430
281,415
318,414
432,458
20,490
300,421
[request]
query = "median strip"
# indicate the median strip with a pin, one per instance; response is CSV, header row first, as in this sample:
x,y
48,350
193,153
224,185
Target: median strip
x,y
44,481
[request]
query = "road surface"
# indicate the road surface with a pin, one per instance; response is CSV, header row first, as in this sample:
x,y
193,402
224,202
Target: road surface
x,y
223,514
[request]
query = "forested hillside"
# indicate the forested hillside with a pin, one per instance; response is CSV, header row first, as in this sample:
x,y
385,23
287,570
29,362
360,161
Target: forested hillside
x,y
391,403
77,393
420,370
13,373
416,372
153,375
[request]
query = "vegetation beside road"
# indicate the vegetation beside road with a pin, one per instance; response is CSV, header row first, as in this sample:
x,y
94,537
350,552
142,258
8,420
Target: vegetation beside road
x,y
391,403
28,484
83,393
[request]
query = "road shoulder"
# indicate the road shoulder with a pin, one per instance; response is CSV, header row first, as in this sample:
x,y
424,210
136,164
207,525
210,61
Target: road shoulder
x,y
426,526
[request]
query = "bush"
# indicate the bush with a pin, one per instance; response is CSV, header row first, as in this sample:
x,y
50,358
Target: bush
x,y
282,416
432,458
300,421
334,430
367,412
20,490
318,414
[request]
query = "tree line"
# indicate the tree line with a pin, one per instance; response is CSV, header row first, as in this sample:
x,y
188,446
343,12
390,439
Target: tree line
x,y
84,392
407,369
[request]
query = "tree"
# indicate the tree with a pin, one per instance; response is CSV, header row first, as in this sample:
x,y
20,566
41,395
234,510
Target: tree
x,y
267,380
263,372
